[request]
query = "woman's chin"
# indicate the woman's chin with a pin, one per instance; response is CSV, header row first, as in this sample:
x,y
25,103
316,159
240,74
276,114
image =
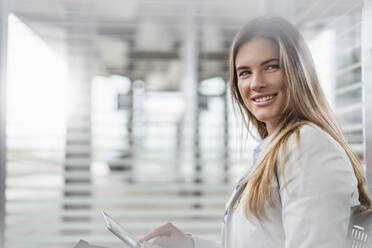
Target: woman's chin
x,y
261,119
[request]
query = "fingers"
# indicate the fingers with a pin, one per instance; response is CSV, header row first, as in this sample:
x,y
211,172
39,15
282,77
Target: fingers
x,y
163,230
148,245
165,241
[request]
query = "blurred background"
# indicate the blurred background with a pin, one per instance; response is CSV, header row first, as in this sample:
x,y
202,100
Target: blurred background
x,y
123,106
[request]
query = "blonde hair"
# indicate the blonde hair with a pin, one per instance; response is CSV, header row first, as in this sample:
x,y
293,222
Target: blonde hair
x,y
306,104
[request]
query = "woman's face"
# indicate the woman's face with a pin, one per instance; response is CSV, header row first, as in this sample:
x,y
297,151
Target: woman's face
x,y
261,81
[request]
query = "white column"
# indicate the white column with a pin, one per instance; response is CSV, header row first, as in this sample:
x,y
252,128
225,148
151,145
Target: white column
x,y
367,82
190,55
3,69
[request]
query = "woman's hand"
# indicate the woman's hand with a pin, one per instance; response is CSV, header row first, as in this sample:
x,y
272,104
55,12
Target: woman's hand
x,y
167,236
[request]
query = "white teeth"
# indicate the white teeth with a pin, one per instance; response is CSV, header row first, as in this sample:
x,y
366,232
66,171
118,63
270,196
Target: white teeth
x,y
263,99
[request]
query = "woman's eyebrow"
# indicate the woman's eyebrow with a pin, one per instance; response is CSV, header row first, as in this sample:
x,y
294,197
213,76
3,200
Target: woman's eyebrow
x,y
269,60
243,67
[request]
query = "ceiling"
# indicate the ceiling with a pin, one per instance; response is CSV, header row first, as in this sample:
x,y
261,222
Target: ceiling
x,y
143,39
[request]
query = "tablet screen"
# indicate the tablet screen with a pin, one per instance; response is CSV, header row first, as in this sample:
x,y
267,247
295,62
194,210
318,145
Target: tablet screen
x,y
120,231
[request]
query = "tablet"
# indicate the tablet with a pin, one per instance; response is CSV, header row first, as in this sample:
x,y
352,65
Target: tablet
x,y
120,231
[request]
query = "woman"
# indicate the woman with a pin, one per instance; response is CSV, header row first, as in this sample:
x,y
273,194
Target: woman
x,y
306,183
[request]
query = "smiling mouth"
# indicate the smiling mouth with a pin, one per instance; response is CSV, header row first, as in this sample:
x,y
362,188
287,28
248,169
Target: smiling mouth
x,y
265,98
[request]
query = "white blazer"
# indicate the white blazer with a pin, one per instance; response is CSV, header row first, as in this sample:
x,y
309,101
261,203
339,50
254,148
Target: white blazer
x,y
314,212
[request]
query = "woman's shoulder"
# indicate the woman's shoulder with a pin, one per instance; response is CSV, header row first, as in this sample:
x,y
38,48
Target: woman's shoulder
x,y
312,130
313,137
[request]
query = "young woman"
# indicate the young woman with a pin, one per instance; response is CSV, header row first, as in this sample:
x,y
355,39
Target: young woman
x,y
306,183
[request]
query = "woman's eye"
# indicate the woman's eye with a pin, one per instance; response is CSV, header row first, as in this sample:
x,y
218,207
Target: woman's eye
x,y
244,73
271,67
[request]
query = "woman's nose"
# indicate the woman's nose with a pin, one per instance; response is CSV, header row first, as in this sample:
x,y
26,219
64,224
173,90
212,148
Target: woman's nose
x,y
258,81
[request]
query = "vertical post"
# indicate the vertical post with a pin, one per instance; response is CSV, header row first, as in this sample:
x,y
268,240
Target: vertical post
x,y
3,70
130,125
130,139
226,135
367,82
189,87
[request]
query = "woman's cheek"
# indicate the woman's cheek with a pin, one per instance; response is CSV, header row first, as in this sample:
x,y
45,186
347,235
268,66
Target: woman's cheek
x,y
242,86
244,91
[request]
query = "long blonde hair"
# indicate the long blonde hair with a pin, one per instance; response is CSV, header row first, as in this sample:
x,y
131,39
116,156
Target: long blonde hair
x,y
305,104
